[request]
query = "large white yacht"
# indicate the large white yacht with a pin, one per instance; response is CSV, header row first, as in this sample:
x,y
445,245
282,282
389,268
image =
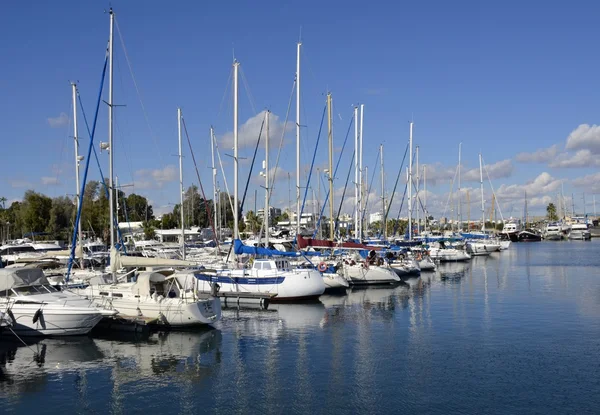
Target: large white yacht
x,y
552,232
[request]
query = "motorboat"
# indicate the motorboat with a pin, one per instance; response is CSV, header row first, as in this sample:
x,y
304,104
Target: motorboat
x,y
552,232
482,247
511,230
579,231
438,251
365,273
35,308
529,235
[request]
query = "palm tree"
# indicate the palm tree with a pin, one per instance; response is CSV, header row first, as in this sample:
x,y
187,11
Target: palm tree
x,y
551,212
3,201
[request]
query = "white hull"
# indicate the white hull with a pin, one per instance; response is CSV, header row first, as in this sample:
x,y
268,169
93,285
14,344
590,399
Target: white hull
x,y
359,274
175,312
427,264
334,281
54,319
289,285
504,244
448,255
482,248
579,234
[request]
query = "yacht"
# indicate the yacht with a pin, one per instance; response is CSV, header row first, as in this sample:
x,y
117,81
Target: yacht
x,y
552,232
440,252
35,308
368,271
482,247
511,230
579,231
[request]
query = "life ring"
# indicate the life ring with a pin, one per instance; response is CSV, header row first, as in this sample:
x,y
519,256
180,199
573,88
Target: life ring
x,y
322,267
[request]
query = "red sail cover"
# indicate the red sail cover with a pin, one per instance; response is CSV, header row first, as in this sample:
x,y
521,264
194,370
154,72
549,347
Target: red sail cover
x,y
325,243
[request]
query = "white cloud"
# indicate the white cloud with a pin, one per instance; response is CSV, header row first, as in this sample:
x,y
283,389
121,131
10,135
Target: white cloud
x,y
542,155
249,131
590,183
499,170
582,158
153,178
49,181
540,186
17,183
60,121
585,137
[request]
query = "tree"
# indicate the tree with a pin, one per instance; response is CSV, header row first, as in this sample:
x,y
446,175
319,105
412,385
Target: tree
x,y
253,221
148,230
62,214
3,201
137,209
551,212
35,212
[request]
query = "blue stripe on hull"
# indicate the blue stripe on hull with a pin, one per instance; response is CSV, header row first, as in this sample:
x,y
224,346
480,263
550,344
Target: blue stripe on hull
x,y
240,280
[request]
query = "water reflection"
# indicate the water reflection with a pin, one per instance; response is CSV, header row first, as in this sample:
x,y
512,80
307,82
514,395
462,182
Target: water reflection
x,y
452,272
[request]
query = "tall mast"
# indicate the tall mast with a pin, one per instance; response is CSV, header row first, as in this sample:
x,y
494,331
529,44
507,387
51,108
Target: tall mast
x,y
459,189
110,137
266,167
425,196
482,201
236,233
383,221
356,184
330,137
214,177
298,140
77,160
360,171
410,146
181,184
417,194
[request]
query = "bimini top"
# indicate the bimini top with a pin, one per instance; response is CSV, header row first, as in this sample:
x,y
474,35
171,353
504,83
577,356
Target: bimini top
x,y
21,277
144,280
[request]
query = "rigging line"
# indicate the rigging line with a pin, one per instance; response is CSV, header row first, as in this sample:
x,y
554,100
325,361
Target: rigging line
x,y
313,161
400,210
225,93
124,149
334,174
364,212
247,88
450,194
85,172
492,186
337,218
223,173
206,205
103,180
287,115
248,180
139,95
396,184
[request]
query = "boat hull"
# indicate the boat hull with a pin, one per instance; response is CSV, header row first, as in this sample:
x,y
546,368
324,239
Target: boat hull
x,y
51,321
361,275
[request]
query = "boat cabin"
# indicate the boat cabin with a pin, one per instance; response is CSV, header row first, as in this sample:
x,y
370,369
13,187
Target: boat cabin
x,y
271,264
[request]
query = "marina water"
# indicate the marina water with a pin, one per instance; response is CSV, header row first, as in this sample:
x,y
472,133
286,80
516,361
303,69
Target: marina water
x,y
515,332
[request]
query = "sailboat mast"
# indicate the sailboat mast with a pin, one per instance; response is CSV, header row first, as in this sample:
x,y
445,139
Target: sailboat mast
x,y
383,221
214,177
356,184
425,196
110,132
110,139
236,233
266,167
298,139
360,172
459,189
181,184
481,188
77,160
410,146
417,195
330,139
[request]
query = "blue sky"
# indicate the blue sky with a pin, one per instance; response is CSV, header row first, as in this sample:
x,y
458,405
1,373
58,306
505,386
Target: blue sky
x,y
515,81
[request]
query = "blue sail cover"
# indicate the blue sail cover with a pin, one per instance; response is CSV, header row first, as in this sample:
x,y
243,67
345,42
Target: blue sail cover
x,y
239,248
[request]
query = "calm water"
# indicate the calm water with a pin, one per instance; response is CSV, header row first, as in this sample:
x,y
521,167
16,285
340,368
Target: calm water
x,y
517,332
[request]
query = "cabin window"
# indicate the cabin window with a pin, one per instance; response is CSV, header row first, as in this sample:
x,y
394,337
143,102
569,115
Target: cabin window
x,y
258,265
119,295
104,293
25,290
266,265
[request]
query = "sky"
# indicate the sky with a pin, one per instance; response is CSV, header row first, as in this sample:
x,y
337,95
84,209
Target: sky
x,y
514,81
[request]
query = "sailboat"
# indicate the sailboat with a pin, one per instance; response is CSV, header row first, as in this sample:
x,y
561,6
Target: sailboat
x,y
157,297
267,278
